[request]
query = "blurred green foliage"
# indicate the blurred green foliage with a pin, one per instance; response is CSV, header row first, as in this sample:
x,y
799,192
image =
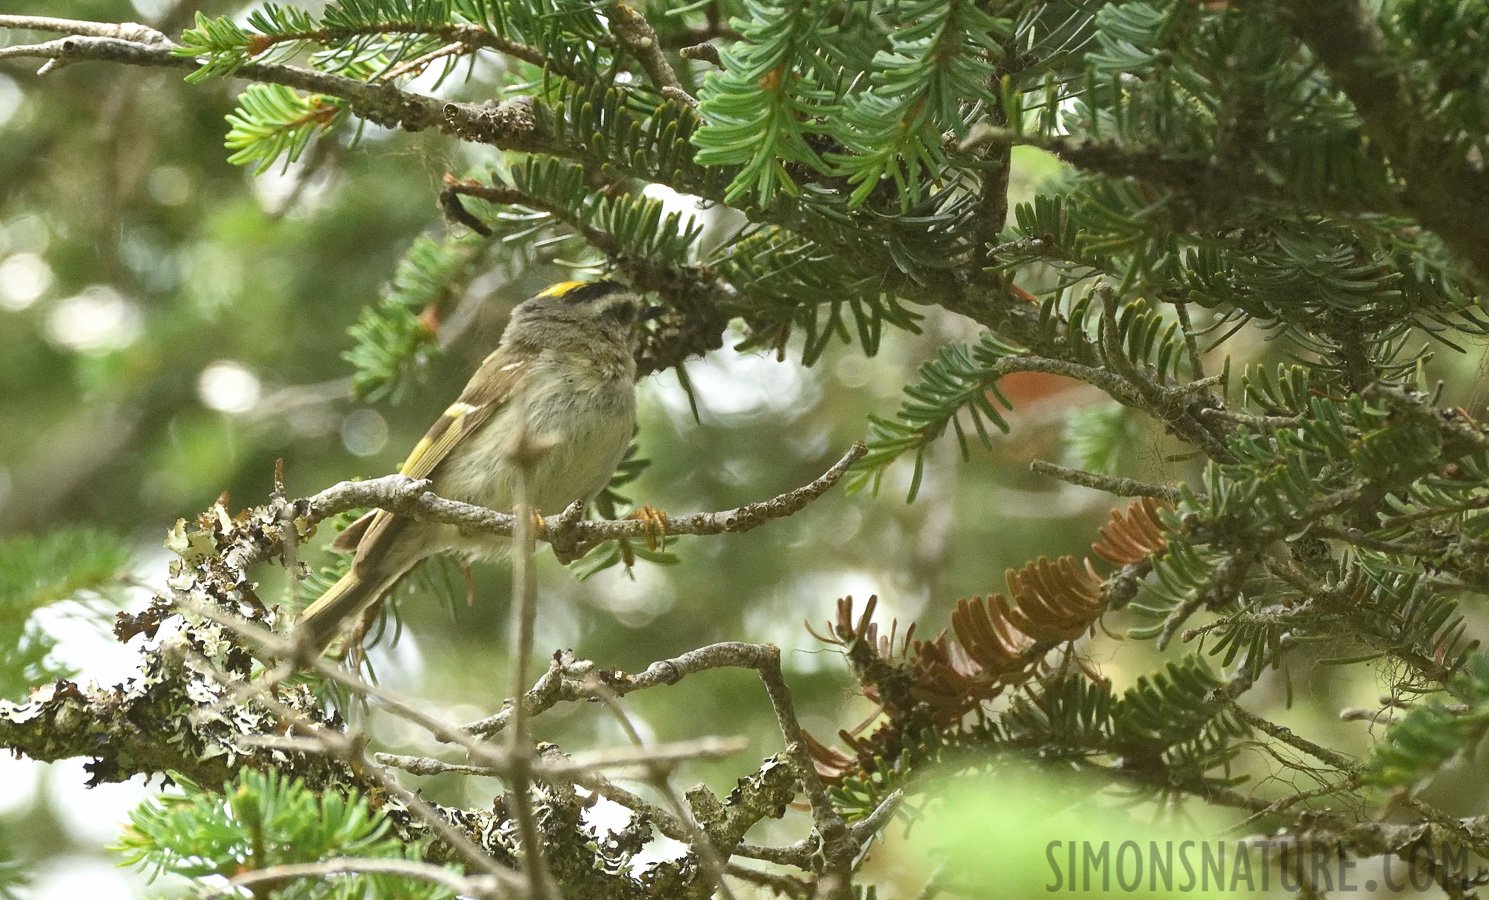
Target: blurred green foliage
x,y
1025,831
37,571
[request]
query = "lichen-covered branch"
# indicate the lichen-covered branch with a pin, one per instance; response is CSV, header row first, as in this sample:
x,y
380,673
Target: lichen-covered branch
x,y
202,686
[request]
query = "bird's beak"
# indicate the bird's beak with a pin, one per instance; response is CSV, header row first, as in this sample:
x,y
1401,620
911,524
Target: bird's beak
x,y
647,313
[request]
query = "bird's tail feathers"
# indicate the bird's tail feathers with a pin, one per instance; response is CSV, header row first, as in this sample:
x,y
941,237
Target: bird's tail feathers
x,y
324,619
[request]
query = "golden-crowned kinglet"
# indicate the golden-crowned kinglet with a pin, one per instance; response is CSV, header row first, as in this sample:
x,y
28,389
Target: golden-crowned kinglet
x,y
564,372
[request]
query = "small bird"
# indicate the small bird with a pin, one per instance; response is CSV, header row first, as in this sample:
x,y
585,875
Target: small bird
x,y
565,372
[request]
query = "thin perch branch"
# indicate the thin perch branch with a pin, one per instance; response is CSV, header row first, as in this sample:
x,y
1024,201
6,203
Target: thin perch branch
x,y
1122,487
570,536
524,457
126,31
463,885
553,688
665,755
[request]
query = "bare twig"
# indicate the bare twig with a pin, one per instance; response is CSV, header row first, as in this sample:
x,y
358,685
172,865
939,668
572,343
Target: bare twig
x,y
298,397
1029,246
1122,487
509,196
666,756
799,854
493,760
864,829
1293,739
417,64
463,885
126,31
1373,716
839,848
1255,421
524,458
1350,782
570,536
554,688
1191,344
275,646
549,690
839,844
784,885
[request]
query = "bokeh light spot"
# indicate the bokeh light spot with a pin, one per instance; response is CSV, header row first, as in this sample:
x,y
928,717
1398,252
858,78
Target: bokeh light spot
x,y
10,98
364,432
228,386
24,277
98,319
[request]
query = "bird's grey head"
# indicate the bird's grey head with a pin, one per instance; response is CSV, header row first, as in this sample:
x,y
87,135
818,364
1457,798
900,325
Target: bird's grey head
x,y
578,310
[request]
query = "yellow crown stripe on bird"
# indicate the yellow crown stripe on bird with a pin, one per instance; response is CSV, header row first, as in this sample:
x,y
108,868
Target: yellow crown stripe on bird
x,y
582,291
563,287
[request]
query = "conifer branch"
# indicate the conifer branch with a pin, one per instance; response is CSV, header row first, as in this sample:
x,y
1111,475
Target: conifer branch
x,y
1178,406
1218,170
503,195
641,39
509,125
520,123
1441,189
1218,183
455,34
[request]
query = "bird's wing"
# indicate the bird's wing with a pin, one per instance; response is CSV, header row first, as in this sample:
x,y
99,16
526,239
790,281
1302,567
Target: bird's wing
x,y
482,397
486,393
